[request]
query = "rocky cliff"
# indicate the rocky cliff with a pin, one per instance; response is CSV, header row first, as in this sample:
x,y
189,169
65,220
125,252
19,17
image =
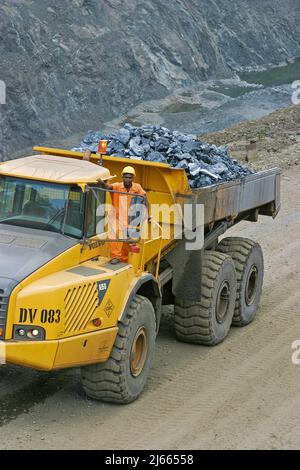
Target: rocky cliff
x,y
72,65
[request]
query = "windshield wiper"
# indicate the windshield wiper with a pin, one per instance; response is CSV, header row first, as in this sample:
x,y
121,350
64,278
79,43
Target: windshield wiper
x,y
59,213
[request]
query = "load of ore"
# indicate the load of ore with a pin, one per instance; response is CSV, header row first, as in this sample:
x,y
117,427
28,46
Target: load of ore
x,y
204,164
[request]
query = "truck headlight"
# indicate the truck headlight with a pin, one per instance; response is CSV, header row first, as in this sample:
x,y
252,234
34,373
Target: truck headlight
x,y
28,333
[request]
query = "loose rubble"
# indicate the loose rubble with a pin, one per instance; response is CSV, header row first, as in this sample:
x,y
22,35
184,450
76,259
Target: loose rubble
x,y
204,164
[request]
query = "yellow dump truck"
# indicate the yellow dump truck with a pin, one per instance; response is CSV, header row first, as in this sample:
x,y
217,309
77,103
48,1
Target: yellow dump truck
x,y
63,303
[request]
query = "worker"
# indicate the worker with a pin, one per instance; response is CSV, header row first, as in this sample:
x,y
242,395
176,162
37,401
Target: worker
x,y
119,227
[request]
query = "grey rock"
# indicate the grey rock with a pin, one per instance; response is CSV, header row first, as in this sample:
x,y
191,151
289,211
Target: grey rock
x,y
146,147
191,146
182,164
156,157
123,135
195,172
193,184
173,145
218,169
135,141
129,127
182,138
203,181
162,144
191,137
147,129
194,169
175,135
186,156
137,150
193,166
204,158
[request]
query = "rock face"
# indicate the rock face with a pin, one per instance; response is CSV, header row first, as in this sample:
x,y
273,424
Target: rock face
x,y
204,164
70,66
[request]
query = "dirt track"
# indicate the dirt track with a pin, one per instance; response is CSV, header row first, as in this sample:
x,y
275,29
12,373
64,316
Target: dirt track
x,y
244,393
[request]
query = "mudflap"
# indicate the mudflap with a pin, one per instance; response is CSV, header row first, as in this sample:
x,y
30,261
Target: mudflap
x,y
187,269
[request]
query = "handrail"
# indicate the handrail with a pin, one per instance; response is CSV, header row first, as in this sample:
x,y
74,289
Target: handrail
x,y
159,250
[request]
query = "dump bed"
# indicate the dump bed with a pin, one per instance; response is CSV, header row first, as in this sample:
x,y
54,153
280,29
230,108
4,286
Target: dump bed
x,y
248,197
255,194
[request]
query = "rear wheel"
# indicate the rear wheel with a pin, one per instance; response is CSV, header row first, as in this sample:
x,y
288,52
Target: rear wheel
x,y
122,377
207,322
249,264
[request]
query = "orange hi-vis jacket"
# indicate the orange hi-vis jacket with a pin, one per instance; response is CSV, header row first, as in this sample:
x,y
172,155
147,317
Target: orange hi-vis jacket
x,y
121,203
121,206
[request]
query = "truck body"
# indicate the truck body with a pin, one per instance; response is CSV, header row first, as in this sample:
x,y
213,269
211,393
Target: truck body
x,y
63,303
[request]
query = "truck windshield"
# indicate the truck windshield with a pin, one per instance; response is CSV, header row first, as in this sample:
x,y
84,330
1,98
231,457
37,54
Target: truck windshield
x,y
41,205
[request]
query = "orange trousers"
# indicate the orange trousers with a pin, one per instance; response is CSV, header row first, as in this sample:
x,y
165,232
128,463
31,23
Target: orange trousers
x,y
119,250
118,223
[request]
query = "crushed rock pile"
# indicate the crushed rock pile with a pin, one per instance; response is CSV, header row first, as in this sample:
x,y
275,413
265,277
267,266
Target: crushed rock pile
x,y
204,164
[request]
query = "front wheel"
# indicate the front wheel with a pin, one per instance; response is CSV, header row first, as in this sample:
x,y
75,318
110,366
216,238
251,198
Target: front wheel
x,y
122,378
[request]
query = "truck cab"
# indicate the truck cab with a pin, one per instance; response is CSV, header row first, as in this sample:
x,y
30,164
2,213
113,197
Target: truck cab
x,y
61,297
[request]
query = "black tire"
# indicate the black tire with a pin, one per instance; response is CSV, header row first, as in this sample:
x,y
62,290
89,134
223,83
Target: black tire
x,y
207,322
122,377
249,265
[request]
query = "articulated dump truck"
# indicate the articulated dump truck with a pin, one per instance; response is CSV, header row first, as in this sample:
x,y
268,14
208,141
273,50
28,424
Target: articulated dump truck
x,y
64,303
